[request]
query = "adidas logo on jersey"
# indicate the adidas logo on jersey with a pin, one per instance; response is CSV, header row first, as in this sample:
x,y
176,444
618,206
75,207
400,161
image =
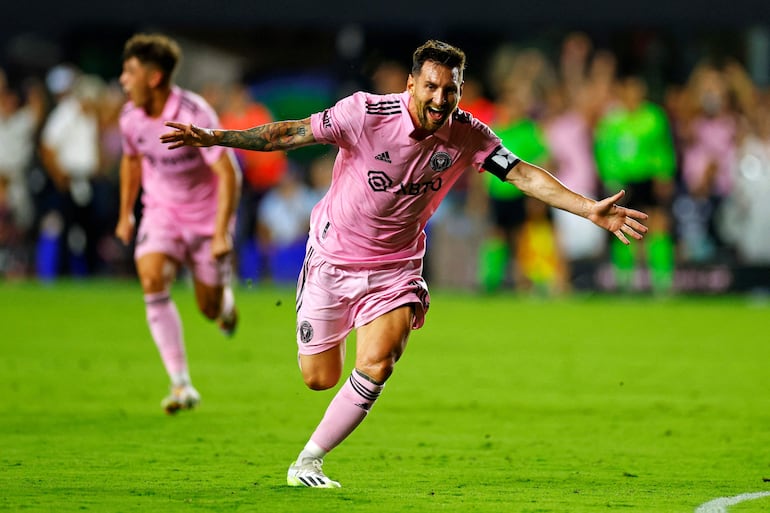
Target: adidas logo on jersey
x,y
384,156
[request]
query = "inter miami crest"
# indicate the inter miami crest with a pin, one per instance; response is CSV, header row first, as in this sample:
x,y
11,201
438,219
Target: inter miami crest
x,y
305,332
440,161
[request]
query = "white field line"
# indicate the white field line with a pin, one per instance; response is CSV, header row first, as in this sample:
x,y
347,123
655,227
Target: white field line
x,y
720,505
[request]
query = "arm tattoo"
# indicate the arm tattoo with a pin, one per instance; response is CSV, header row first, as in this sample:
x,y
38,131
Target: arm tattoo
x,y
281,135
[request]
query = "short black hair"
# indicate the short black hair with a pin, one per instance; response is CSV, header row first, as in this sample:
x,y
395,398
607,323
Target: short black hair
x,y
440,52
154,49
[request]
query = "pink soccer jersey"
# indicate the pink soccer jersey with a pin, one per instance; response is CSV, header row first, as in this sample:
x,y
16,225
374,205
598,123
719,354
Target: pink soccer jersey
x,y
385,184
178,181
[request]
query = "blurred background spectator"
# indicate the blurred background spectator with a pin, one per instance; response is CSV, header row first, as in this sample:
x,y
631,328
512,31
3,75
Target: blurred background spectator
x,y
710,135
569,120
284,221
520,89
635,152
22,110
70,150
552,79
262,171
745,219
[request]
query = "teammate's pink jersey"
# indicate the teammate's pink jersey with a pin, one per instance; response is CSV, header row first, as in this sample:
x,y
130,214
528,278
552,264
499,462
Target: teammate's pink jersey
x,y
385,184
179,181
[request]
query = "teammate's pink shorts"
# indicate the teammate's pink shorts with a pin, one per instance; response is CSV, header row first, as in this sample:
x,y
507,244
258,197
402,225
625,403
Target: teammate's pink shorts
x,y
160,233
332,300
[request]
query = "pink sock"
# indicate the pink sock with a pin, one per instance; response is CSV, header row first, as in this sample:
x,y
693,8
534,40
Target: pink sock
x,y
346,411
166,329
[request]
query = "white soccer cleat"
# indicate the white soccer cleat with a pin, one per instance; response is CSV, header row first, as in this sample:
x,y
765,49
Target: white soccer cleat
x,y
182,397
309,474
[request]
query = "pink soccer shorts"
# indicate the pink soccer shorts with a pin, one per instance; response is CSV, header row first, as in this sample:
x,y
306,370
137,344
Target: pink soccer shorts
x,y
160,233
332,300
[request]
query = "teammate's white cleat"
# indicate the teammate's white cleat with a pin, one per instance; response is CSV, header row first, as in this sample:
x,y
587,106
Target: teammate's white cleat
x,y
308,473
182,397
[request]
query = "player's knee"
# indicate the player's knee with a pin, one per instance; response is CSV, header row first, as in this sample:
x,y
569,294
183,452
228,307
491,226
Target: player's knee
x,y
153,282
320,380
322,371
155,275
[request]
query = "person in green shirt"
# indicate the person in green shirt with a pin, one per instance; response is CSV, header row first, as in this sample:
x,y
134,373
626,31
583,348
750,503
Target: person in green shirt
x,y
506,202
634,151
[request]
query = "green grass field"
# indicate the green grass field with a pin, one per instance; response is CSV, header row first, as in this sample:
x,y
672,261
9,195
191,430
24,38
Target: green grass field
x,y
500,404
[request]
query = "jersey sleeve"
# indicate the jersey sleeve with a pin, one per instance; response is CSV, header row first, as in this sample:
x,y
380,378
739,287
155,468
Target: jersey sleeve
x,y
493,157
341,124
129,149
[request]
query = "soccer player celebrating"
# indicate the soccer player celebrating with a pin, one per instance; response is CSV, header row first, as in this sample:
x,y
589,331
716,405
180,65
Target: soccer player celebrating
x,y
398,156
189,197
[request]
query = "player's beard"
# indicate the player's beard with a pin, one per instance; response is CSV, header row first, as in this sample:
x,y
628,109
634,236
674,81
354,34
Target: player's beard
x,y
429,123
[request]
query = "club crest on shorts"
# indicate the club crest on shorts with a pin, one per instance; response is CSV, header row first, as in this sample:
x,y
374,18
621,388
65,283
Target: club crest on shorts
x,y
440,161
305,332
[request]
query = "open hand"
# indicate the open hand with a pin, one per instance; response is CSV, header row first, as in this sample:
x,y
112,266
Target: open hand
x,y
187,135
621,221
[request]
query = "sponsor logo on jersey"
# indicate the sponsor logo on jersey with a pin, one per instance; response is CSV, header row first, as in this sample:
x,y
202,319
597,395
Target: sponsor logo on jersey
x,y
174,159
417,188
379,181
384,156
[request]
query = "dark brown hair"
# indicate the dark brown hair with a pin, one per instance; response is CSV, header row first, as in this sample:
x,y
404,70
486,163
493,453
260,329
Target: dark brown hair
x,y
440,52
155,50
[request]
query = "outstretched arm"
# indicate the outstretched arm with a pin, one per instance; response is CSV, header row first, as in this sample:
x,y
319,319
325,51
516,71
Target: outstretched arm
x,y
540,184
281,135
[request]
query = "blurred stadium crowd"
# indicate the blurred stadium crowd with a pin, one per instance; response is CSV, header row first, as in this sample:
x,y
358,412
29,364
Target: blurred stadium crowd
x,y
695,153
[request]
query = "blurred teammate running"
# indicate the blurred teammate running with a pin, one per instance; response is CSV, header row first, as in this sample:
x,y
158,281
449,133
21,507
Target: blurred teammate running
x,y
189,198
